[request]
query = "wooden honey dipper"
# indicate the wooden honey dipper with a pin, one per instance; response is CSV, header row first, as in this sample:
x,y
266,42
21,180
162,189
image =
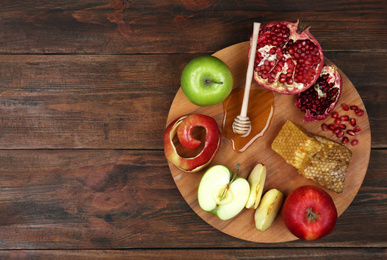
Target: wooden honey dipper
x,y
242,124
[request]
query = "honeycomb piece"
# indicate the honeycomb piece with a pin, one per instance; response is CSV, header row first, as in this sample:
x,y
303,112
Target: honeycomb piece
x,y
295,145
328,167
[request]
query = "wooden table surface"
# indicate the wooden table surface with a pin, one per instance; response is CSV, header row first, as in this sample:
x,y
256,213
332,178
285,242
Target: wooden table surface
x,y
85,91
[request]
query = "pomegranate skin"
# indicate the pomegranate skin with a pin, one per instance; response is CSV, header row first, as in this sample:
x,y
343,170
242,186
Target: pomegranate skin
x,y
288,58
319,101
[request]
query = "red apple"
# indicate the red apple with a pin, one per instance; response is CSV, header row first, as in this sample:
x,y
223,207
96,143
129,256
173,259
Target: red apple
x,y
182,127
309,213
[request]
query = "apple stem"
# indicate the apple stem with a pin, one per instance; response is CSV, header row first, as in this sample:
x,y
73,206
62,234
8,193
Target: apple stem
x,y
207,81
311,215
228,185
236,172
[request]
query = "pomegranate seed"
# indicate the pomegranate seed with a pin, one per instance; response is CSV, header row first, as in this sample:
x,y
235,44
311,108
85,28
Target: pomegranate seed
x,y
340,133
324,127
337,121
344,118
342,126
345,140
336,131
354,142
359,112
331,127
351,132
345,107
354,107
352,121
335,115
357,129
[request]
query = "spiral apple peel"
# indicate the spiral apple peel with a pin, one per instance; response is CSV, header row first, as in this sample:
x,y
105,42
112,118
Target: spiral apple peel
x,y
183,127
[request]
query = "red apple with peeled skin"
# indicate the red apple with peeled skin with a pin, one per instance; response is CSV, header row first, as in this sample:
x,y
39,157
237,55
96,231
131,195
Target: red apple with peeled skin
x,y
309,213
183,128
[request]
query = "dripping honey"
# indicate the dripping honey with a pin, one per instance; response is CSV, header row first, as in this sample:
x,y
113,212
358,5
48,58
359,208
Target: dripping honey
x,y
260,112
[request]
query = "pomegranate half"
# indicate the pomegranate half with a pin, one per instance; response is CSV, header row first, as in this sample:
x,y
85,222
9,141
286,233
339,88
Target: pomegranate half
x,y
319,101
288,58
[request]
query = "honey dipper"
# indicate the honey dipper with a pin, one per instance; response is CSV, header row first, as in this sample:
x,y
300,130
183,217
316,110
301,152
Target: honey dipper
x,y
242,124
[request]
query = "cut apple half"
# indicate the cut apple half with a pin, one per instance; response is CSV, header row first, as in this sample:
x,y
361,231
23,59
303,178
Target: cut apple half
x,y
268,209
256,180
222,193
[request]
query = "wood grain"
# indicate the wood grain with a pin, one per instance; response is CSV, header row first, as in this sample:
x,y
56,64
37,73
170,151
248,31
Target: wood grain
x,y
84,199
171,254
90,101
121,27
59,199
81,178
280,175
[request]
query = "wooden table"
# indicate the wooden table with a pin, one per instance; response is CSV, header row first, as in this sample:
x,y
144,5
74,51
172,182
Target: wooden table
x,y
85,91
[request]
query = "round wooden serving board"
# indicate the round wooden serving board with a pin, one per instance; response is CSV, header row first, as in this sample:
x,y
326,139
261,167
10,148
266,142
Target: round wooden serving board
x,y
280,175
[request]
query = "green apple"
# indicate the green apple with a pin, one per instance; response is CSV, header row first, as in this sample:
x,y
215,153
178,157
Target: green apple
x,y
256,180
206,81
268,209
223,193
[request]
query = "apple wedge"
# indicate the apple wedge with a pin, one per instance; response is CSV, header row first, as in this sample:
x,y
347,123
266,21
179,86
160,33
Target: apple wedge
x,y
223,193
256,180
268,209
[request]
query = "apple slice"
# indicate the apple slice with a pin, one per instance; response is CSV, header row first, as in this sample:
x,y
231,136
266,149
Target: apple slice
x,y
268,209
183,127
256,180
223,193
